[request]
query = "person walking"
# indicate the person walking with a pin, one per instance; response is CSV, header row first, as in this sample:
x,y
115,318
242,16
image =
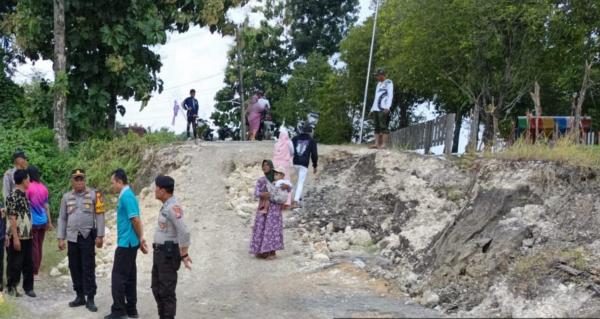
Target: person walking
x,y
37,193
19,259
191,105
130,238
380,112
267,233
258,104
171,244
283,154
8,183
81,225
305,150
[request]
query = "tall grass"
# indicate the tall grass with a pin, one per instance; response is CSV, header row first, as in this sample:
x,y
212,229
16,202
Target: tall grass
x,y
563,151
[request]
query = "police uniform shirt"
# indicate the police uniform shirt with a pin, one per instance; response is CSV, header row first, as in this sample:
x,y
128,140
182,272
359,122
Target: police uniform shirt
x,y
384,93
78,215
8,183
171,226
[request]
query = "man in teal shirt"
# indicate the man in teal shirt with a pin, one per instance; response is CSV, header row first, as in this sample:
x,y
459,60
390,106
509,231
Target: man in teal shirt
x,y
130,238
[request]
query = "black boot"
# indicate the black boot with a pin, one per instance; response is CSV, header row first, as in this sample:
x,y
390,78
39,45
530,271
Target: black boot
x,y
90,305
79,301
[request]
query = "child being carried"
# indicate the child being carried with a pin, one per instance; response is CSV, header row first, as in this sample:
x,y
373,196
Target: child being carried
x,y
279,190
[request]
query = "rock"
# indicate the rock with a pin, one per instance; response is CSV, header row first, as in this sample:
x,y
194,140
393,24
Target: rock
x,y
320,257
321,247
359,263
329,228
360,237
386,225
528,242
389,242
339,245
54,272
430,299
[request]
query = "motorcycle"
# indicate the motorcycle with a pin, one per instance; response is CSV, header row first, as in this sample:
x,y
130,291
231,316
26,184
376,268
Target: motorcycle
x,y
266,130
204,129
226,133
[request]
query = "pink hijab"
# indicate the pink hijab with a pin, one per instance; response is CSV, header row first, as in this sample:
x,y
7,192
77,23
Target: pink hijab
x,y
282,154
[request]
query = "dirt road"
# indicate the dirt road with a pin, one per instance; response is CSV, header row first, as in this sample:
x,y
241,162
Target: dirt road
x,y
227,282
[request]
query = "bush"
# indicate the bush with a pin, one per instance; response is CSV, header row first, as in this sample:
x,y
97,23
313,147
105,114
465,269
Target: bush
x,y
99,157
564,151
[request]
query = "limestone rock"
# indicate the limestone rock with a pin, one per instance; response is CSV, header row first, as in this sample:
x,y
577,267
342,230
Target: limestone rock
x,y
321,257
360,237
339,245
54,272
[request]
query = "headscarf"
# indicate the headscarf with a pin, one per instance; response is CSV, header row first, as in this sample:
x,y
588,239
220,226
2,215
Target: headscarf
x,y
271,174
281,154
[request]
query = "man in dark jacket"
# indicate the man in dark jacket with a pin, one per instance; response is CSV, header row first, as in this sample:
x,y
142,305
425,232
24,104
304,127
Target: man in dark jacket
x,y
305,150
191,106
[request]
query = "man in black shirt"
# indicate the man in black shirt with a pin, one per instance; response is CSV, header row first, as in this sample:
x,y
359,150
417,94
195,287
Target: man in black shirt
x,y
305,150
190,104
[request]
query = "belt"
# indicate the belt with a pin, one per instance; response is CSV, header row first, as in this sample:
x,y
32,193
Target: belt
x,y
162,246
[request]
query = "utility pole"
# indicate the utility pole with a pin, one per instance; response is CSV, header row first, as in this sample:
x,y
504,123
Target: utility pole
x,y
241,78
60,76
362,118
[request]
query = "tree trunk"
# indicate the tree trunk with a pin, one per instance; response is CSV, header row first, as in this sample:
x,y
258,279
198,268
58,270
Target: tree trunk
x,y
580,98
457,128
496,131
60,71
111,123
241,79
474,134
535,96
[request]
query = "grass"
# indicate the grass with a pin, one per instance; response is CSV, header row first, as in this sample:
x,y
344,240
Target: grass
x,y
564,151
530,272
7,309
51,255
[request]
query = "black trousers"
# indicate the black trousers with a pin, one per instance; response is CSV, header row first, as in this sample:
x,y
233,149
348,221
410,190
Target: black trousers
x,y
164,281
191,121
2,263
20,262
124,281
82,265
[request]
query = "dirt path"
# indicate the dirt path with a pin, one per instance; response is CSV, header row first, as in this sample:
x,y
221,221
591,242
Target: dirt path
x,y
226,282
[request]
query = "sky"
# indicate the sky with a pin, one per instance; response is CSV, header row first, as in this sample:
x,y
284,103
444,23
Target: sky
x,y
195,59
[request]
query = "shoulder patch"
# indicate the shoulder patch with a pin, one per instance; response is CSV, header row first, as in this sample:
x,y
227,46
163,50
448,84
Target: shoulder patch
x,y
177,211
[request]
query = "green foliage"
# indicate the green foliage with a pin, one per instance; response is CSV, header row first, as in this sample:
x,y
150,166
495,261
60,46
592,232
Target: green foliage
x,y
10,94
265,60
99,157
319,26
109,49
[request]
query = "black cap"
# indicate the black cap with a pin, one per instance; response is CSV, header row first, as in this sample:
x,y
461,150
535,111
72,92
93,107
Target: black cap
x,y
78,173
380,72
19,154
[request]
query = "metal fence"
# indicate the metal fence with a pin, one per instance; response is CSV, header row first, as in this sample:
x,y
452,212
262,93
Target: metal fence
x,y
439,131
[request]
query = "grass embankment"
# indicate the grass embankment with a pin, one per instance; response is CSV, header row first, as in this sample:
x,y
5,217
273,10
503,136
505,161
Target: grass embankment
x,y
563,151
99,157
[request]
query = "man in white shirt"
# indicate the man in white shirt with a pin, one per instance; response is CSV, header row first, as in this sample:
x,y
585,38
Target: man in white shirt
x,y
380,112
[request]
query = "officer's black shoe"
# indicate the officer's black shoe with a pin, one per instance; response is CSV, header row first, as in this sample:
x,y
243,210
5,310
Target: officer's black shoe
x,y
31,293
90,305
133,314
113,316
79,301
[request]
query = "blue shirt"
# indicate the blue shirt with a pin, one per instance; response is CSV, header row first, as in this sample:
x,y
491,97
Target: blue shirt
x,y
191,105
127,208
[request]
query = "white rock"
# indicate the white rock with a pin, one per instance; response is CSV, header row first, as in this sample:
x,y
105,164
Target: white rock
x,y
330,228
321,257
430,298
54,272
360,237
321,247
390,242
339,245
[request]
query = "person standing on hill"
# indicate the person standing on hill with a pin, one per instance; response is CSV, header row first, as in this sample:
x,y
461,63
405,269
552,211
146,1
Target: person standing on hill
x,y
380,112
81,225
305,150
130,239
191,105
37,193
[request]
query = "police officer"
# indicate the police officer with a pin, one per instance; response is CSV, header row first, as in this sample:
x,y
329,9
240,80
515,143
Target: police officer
x,y
81,224
171,242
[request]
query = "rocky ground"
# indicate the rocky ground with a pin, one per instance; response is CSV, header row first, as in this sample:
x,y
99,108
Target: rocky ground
x,y
380,234
227,282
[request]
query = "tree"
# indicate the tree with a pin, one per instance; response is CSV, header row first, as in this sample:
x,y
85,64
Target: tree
x,y
60,75
319,25
266,58
109,45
